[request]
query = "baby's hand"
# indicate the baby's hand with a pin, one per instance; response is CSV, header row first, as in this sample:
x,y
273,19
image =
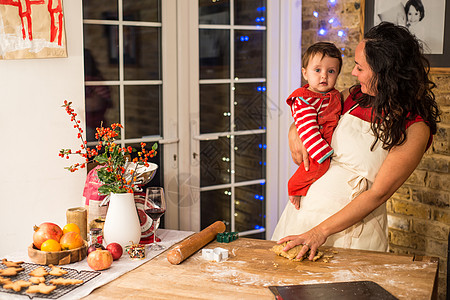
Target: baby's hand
x,y
295,200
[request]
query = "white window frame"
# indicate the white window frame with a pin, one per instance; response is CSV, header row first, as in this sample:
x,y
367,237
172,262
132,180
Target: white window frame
x,y
169,139
283,76
181,107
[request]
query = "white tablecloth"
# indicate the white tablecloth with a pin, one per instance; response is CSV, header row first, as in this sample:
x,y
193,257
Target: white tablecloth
x,y
118,268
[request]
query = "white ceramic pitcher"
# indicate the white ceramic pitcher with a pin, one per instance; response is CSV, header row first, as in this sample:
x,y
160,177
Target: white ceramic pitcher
x,y
122,221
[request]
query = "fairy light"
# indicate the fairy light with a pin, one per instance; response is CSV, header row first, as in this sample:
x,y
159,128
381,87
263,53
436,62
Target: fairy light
x,y
326,26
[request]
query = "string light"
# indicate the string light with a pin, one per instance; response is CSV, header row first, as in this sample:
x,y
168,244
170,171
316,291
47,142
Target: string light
x,y
324,25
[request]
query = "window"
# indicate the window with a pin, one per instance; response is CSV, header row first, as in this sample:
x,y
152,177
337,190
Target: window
x,y
196,77
123,83
232,106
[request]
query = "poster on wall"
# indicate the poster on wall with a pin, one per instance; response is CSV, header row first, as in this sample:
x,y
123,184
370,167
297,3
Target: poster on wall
x,y
32,29
428,20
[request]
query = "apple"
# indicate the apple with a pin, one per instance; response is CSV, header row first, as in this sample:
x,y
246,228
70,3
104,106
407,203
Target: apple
x,y
115,249
94,247
99,259
46,231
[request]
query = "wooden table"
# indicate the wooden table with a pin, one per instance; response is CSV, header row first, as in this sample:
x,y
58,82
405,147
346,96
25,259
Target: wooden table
x,y
251,268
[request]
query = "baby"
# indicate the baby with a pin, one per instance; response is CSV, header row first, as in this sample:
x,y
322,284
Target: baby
x,y
415,12
316,108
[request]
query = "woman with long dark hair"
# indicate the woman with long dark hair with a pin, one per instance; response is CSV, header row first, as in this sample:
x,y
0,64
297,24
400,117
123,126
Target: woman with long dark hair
x,y
386,126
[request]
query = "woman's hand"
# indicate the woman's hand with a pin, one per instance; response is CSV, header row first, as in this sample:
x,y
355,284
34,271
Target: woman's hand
x,y
311,239
298,150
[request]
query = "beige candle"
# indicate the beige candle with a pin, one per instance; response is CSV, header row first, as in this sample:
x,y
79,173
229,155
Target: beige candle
x,y
78,216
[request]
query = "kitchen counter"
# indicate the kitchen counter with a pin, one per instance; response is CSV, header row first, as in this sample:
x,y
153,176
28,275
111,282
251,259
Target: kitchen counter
x,y
251,268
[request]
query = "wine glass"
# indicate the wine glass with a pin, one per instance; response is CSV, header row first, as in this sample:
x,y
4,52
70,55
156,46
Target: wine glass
x,y
155,207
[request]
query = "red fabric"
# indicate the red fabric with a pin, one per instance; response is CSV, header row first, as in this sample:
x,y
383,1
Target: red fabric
x,y
91,186
310,111
300,182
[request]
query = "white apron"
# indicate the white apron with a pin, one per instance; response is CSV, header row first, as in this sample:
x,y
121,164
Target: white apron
x,y
352,171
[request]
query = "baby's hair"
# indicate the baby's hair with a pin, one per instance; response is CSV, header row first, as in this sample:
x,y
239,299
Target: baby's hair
x,y
417,5
324,48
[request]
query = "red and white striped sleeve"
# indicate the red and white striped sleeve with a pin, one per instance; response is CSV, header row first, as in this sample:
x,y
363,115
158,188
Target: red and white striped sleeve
x,y
305,117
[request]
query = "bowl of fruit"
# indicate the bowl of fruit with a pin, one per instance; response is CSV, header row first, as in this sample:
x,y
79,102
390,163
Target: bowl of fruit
x,y
56,246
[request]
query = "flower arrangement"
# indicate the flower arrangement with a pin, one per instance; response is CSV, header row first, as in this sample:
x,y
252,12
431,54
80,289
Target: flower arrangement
x,y
115,172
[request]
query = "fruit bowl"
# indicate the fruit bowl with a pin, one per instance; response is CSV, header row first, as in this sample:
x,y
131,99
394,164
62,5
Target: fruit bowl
x,y
57,258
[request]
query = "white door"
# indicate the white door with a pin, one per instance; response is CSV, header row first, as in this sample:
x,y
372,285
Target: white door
x,y
202,78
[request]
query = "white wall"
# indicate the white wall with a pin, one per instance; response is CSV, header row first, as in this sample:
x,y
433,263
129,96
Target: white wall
x,y
34,186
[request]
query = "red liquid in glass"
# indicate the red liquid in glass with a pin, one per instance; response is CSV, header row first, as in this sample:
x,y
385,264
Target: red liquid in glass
x,y
155,213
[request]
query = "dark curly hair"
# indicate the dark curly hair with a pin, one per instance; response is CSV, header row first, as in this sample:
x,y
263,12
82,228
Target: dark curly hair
x,y
401,79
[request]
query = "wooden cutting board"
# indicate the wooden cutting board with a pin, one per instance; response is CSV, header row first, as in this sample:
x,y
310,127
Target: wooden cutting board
x,y
251,268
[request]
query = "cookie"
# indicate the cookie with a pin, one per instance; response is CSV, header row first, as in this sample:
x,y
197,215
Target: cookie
x,y
39,272
56,271
65,281
11,271
41,288
11,263
4,280
16,285
36,280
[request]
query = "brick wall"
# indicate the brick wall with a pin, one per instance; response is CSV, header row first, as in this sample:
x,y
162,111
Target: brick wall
x,y
418,213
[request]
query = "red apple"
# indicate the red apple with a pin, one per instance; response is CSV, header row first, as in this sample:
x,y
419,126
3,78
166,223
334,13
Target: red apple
x,y
115,249
46,231
99,259
94,247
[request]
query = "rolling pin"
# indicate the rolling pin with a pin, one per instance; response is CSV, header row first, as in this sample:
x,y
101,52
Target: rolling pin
x,y
193,243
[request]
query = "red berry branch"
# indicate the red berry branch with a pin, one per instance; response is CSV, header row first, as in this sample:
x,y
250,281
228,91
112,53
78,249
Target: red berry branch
x,y
109,155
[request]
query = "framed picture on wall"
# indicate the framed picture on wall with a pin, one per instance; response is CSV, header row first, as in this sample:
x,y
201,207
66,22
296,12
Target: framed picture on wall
x,y
429,20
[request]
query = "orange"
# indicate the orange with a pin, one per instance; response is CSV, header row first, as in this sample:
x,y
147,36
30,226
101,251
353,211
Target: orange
x,y
71,240
71,227
51,245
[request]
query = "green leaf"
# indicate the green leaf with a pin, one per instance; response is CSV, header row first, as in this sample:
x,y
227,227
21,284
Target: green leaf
x,y
101,159
104,190
105,176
